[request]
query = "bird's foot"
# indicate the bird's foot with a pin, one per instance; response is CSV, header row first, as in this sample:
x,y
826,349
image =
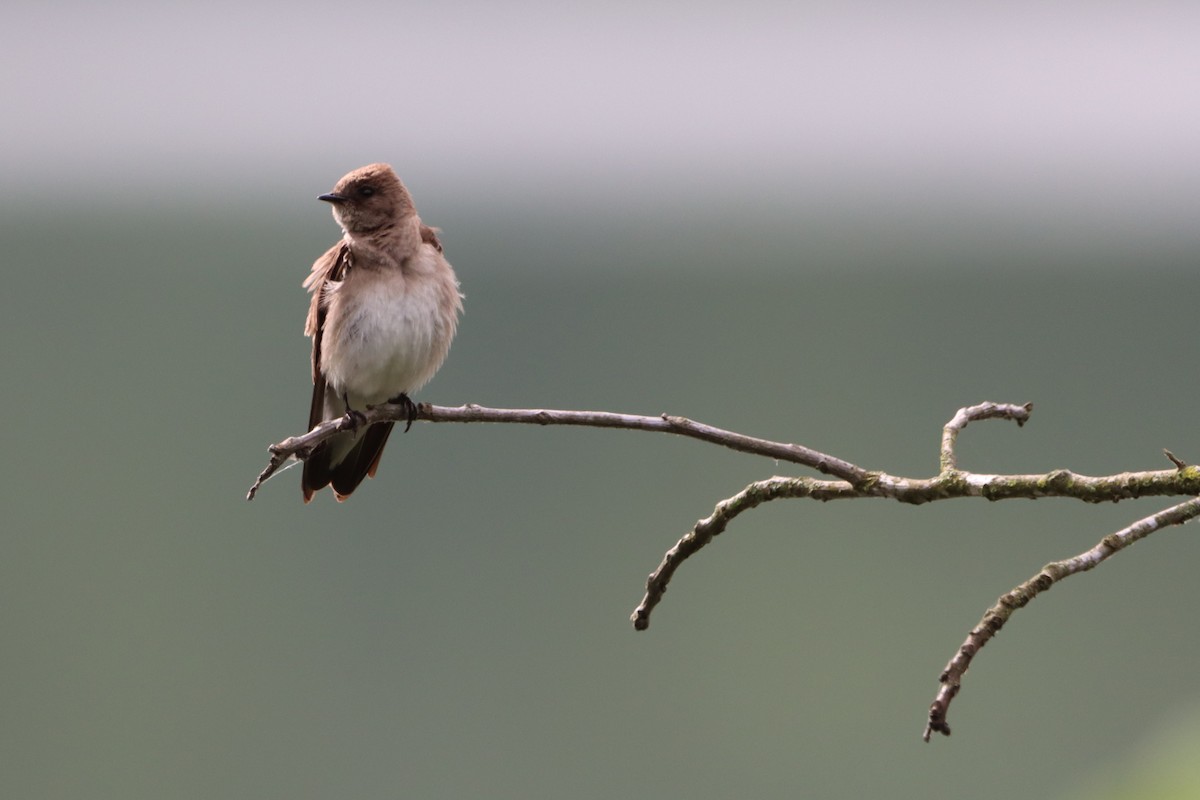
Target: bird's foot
x,y
410,408
353,416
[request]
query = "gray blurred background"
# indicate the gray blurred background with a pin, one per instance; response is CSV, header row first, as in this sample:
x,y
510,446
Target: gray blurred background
x,y
827,223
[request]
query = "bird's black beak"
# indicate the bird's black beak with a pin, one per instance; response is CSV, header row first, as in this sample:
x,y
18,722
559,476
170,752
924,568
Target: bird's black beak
x,y
333,197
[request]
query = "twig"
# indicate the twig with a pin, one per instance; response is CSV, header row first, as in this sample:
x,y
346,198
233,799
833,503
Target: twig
x,y
1174,459
301,446
752,496
996,616
949,459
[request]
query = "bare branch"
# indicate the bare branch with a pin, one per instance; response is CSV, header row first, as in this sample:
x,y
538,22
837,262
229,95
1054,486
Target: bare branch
x,y
996,616
752,496
951,482
849,481
301,446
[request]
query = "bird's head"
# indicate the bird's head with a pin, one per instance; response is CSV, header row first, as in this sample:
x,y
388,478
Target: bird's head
x,y
369,198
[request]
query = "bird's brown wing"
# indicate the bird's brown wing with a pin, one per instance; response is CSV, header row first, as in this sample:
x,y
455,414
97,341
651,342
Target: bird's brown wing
x,y
332,266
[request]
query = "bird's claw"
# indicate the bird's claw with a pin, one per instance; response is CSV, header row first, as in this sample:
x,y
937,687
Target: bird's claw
x,y
354,417
410,408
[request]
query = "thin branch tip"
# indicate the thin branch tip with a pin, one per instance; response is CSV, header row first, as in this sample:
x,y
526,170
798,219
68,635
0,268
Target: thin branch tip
x,y
1179,464
1020,596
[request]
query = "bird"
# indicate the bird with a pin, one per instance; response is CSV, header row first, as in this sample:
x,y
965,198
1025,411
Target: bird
x,y
384,309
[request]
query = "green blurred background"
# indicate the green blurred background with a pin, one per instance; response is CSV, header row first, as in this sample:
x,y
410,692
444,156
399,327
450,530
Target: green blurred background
x,y
820,225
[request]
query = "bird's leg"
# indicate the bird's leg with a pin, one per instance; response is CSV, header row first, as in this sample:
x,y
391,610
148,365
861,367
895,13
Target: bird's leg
x,y
410,408
356,417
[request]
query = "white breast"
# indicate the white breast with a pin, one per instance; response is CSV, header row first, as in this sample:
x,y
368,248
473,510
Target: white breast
x,y
386,332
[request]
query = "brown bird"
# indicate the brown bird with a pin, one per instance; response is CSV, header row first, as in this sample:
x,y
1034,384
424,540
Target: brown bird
x,y
385,305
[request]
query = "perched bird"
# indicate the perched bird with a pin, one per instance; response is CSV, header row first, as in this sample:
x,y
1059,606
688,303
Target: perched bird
x,y
385,305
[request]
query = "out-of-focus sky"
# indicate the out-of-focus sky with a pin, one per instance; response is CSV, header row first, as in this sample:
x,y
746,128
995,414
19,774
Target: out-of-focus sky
x,y
1082,110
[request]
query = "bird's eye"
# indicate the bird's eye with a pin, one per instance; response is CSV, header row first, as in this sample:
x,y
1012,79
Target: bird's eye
x,y
366,191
